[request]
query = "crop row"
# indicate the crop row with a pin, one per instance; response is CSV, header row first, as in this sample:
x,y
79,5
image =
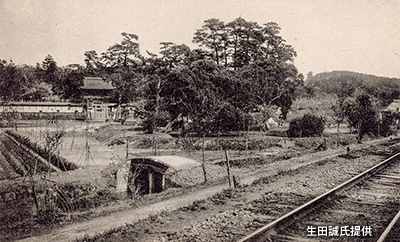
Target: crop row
x,y
55,160
9,169
17,157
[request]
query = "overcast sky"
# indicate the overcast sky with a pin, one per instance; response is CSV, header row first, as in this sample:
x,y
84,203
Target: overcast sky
x,y
354,35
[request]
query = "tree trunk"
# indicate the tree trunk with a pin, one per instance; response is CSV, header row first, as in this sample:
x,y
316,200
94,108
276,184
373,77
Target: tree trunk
x,y
127,147
247,141
337,138
359,135
203,161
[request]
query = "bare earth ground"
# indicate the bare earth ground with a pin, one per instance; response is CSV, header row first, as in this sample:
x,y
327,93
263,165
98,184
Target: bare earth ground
x,y
118,219
100,136
230,215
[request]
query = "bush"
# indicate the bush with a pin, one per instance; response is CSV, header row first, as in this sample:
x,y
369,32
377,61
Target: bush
x,y
385,127
307,126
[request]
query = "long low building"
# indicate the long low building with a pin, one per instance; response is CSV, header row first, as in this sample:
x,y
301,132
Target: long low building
x,y
41,107
90,111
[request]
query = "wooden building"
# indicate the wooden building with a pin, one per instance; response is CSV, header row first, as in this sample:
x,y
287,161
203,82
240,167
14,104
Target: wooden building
x,y
394,107
41,107
392,111
97,93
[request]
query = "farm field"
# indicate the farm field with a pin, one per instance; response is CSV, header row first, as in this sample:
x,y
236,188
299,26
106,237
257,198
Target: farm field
x,y
91,188
107,142
220,215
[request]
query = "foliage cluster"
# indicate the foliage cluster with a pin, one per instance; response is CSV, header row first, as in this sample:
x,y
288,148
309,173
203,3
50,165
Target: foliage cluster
x,y
307,126
363,116
359,99
240,67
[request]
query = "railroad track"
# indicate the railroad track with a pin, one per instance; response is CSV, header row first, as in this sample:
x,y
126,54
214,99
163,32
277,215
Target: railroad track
x,y
364,208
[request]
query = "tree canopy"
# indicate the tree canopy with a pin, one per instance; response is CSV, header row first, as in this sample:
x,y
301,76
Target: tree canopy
x,y
239,67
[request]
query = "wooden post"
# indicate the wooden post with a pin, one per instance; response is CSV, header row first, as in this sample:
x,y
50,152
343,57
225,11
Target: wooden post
x,y
127,146
235,182
155,146
203,163
163,182
219,147
227,167
189,144
150,181
247,141
152,146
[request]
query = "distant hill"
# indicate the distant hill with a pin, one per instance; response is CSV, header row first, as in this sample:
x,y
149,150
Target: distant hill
x,y
384,88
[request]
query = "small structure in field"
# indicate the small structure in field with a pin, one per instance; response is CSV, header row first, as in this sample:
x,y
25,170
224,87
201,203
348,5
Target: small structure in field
x,y
148,175
392,111
394,107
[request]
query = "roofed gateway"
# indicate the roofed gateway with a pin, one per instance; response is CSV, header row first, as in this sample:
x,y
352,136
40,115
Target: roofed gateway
x,y
97,93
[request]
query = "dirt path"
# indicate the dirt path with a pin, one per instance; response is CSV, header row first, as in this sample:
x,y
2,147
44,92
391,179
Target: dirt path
x,y
118,219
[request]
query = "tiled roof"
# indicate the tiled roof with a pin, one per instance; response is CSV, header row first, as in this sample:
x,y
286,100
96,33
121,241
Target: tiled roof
x,y
96,83
393,107
41,104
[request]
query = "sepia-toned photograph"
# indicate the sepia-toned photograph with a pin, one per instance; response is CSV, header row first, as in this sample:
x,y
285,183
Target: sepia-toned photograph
x,y
199,120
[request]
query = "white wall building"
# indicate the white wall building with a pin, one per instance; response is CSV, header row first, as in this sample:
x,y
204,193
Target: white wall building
x,y
41,107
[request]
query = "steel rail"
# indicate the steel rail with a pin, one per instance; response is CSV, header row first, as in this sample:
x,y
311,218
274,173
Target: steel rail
x,y
262,234
389,228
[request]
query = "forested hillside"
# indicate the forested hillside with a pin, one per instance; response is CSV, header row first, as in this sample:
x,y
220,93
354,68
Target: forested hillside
x,y
346,82
348,97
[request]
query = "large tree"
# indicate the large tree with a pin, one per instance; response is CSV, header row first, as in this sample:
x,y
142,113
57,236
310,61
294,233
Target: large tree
x,y
362,115
270,83
72,83
265,73
173,55
243,41
10,82
202,94
214,37
240,42
50,73
92,62
123,54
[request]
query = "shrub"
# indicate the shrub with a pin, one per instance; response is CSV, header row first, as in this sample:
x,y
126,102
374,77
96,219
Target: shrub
x,y
307,126
385,127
